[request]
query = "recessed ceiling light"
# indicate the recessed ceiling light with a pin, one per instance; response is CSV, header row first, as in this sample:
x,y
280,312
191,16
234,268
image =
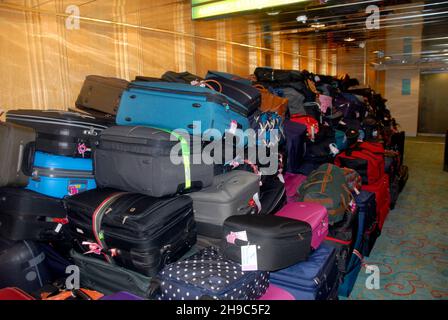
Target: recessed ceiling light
x,y
349,39
273,13
302,18
317,25
387,58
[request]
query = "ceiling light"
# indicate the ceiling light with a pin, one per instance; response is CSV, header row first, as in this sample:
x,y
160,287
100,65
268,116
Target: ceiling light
x,y
317,25
387,58
273,13
362,45
302,19
349,39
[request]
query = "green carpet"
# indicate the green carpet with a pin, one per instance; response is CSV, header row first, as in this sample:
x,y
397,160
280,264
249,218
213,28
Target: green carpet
x,y
412,250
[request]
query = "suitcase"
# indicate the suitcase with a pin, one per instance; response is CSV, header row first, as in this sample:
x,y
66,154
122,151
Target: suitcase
x,y
101,94
312,125
59,176
110,278
314,214
135,231
180,77
62,133
139,159
403,177
246,95
231,194
344,250
346,229
14,294
198,110
296,101
272,195
27,215
275,293
279,242
382,197
295,134
220,279
23,265
314,279
16,145
292,184
122,296
398,142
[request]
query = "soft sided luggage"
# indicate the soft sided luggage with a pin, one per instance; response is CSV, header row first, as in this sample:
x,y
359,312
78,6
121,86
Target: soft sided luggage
x,y
271,102
344,250
122,296
138,159
180,77
14,294
23,265
276,293
110,278
295,145
59,176
197,110
208,275
135,231
312,125
314,279
314,214
101,94
292,183
27,215
16,145
245,94
233,193
272,195
62,133
382,196
366,158
276,242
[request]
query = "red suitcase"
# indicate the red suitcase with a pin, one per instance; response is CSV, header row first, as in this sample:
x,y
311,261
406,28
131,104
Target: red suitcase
x,y
14,294
382,195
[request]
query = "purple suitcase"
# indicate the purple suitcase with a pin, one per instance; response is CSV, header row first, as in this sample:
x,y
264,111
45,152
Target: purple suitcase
x,y
292,183
122,296
313,213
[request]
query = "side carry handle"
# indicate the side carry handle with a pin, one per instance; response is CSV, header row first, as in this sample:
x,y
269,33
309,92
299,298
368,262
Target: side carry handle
x,y
26,159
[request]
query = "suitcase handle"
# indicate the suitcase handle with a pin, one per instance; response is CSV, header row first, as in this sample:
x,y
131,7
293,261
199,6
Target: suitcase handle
x,y
26,159
154,288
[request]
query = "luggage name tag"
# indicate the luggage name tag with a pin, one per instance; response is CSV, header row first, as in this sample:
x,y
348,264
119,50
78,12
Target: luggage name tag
x,y
249,260
233,236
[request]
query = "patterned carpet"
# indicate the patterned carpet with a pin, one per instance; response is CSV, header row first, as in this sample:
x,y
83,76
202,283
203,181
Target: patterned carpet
x,y
412,251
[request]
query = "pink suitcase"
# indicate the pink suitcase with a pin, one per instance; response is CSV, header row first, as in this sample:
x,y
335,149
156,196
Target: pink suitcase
x,y
276,293
313,213
292,183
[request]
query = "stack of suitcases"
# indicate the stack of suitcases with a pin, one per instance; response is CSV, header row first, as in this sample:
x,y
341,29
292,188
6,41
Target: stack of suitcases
x,y
120,188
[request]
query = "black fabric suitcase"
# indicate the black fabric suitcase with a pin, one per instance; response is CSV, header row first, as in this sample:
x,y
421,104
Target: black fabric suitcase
x,y
180,77
398,142
62,133
110,278
272,195
248,96
101,94
16,145
295,145
27,215
138,159
135,231
230,194
148,79
23,265
280,242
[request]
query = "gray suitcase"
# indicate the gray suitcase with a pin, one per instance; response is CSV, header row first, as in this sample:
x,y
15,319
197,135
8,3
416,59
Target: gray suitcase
x,y
231,194
101,94
137,159
16,151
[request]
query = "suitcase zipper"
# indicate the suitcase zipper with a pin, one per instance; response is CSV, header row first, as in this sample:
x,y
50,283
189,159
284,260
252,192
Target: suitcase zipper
x,y
60,173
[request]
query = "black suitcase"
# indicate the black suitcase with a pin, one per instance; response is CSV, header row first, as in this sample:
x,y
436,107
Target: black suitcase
x,y
180,77
23,265
246,95
16,152
101,94
295,145
135,231
280,242
138,159
27,215
148,79
63,133
272,195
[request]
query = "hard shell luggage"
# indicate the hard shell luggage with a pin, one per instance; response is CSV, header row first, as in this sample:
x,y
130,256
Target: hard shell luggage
x,y
110,278
180,77
382,197
59,176
208,275
233,193
139,159
245,94
134,231
16,146
314,214
295,145
292,184
276,293
23,265
277,241
14,294
27,215
272,195
198,110
62,133
314,279
101,94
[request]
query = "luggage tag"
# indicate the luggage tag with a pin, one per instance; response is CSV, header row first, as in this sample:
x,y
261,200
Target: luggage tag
x,y
232,236
249,260
334,149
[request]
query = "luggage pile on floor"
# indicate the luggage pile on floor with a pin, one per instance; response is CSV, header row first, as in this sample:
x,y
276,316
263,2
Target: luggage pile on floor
x,y
99,188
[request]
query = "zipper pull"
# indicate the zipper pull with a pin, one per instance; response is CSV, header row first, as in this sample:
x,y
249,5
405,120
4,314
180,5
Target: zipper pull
x,y
301,237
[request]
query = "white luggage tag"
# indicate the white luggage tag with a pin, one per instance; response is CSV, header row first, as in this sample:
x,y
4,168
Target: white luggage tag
x,y
233,236
249,260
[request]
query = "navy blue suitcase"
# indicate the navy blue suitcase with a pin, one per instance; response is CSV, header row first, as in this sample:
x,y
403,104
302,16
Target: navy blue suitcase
x,y
180,106
367,207
59,176
315,279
